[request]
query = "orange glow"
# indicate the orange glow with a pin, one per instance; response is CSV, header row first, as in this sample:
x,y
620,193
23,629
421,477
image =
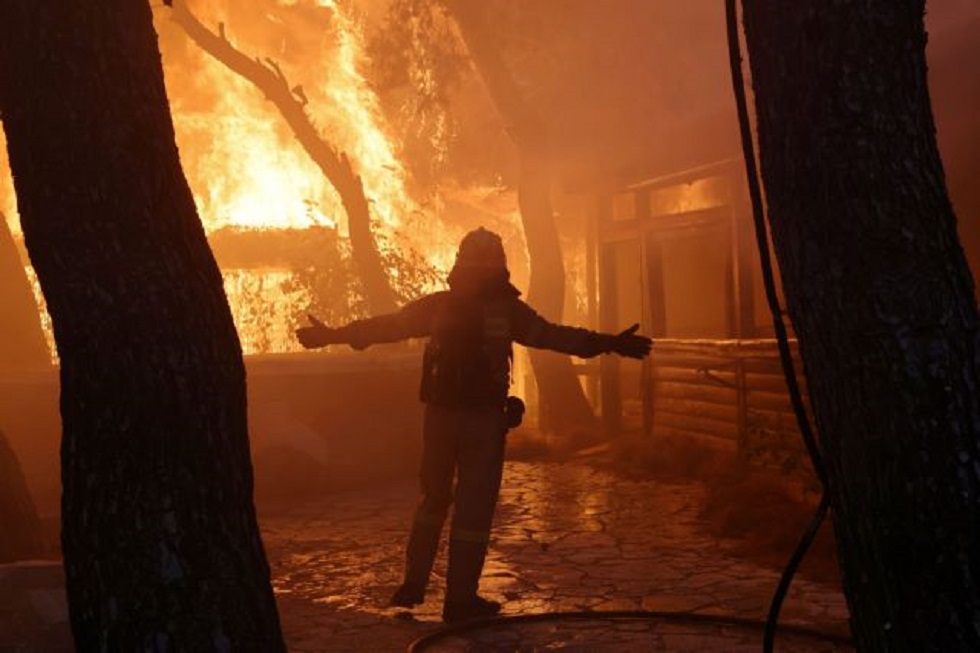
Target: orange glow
x,y
241,160
359,125
243,172
8,200
261,309
246,169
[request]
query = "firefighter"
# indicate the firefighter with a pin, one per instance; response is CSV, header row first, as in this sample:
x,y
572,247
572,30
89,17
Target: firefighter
x,y
465,382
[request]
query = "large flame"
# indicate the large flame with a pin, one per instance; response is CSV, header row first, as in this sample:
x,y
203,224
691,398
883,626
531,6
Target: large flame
x,y
243,164
359,123
247,171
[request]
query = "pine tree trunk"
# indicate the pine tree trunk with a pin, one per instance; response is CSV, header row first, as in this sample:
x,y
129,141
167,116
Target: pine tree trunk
x,y
882,301
566,410
22,342
557,383
160,540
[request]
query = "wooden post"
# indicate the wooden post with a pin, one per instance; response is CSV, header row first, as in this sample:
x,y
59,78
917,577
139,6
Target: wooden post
x,y
742,406
653,282
608,309
591,288
745,277
734,281
747,257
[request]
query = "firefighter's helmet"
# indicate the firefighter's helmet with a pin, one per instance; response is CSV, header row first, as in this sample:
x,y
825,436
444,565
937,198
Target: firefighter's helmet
x,y
481,248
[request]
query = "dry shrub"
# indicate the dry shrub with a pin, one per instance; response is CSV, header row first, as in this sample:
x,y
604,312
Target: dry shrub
x,y
669,459
765,515
761,512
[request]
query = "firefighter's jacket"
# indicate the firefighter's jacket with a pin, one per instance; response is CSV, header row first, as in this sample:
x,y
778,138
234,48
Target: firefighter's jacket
x,y
468,356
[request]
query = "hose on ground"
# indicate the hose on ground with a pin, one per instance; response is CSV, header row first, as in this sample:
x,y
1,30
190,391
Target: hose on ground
x,y
693,618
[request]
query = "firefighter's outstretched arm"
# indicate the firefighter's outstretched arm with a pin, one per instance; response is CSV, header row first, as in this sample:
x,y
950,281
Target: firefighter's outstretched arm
x,y
410,322
537,332
317,334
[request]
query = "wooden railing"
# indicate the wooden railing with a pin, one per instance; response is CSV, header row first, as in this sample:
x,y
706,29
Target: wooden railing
x,y
732,392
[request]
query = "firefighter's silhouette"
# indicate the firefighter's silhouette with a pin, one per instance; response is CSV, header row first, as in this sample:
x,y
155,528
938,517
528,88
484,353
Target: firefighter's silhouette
x,y
465,383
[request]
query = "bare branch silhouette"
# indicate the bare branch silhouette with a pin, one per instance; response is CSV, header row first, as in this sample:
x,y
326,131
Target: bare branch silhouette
x,y
267,76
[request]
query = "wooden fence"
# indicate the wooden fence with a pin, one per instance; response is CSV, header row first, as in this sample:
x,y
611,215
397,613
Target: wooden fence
x,y
730,392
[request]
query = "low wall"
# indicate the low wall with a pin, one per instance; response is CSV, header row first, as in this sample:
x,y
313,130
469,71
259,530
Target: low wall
x,y
316,421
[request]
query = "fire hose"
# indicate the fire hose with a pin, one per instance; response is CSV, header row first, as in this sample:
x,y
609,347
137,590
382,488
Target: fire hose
x,y
782,340
796,400
421,644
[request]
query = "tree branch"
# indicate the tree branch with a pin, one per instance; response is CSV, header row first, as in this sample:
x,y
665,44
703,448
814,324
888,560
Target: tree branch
x,y
269,78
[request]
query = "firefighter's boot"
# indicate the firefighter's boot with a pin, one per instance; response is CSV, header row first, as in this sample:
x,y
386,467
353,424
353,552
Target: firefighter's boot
x,y
423,544
462,580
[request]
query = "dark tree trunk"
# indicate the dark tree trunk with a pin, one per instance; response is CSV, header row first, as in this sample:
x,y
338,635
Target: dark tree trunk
x,y
161,545
557,383
335,165
21,537
882,302
22,342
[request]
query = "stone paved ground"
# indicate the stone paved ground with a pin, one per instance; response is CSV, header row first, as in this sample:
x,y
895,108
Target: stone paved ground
x,y
567,538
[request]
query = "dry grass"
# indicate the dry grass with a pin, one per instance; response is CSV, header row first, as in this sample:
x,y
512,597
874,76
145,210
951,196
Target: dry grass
x,y
762,513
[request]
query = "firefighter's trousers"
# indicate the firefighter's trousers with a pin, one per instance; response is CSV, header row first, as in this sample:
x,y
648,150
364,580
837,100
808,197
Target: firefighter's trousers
x,y
467,444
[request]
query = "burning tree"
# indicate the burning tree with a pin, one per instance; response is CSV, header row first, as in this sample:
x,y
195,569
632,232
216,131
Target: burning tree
x,y
160,540
882,301
418,46
336,166
386,271
557,384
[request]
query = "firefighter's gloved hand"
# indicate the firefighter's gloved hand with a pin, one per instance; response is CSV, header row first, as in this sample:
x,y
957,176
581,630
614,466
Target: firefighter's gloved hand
x,y
316,335
628,344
